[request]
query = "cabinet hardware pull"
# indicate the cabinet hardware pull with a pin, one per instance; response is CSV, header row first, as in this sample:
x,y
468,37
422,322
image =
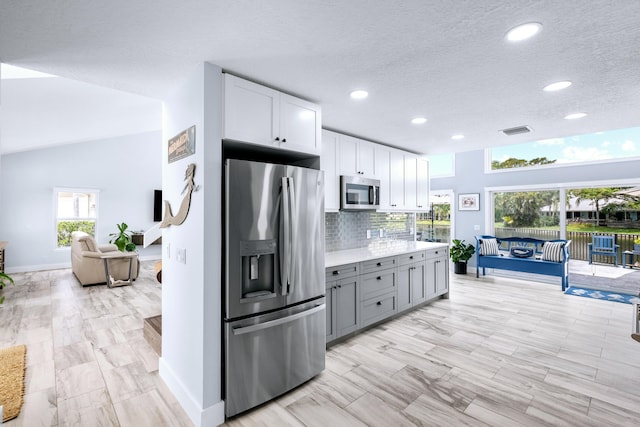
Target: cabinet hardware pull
x,y
379,303
378,278
277,138
411,257
379,264
340,286
336,272
284,139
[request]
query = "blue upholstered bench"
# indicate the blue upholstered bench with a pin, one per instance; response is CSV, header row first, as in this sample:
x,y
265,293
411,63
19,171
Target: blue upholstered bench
x,y
492,252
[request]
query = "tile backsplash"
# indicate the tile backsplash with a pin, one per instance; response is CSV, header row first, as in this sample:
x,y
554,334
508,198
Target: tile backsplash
x,y
348,230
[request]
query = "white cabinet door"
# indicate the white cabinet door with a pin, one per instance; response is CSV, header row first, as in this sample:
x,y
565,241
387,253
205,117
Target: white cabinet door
x,y
260,115
396,180
383,159
249,111
357,157
366,159
348,155
422,185
299,125
410,177
328,165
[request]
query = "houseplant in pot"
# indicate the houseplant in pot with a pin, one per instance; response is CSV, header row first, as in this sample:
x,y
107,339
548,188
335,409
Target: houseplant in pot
x,y
460,253
4,281
122,239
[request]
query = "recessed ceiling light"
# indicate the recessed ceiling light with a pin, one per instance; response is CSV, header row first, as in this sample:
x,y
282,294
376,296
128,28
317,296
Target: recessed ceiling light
x,y
457,136
359,94
557,86
523,32
575,116
418,120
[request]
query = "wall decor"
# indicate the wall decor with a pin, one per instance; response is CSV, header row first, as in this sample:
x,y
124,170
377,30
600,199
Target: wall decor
x,y
469,202
190,187
183,144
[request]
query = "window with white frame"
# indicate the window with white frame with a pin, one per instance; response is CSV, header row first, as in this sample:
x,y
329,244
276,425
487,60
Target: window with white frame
x,y
75,210
614,145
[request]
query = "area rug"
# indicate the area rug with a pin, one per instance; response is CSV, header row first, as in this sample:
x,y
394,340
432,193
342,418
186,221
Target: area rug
x,y
599,294
12,366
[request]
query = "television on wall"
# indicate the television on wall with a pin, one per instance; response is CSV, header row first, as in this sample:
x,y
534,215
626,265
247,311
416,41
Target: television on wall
x,y
157,205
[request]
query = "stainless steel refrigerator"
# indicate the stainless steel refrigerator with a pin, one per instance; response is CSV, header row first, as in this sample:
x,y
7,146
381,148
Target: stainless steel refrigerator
x,y
274,311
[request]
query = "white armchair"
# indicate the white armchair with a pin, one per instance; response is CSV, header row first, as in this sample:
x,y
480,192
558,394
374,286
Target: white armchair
x,y
92,263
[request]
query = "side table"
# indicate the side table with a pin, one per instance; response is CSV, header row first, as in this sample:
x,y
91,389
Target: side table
x,y
628,255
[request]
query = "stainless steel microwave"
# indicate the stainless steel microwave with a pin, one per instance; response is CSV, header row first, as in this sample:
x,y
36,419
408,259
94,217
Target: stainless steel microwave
x,y
358,193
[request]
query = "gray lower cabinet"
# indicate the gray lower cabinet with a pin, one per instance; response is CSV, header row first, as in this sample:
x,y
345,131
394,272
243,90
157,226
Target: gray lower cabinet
x,y
367,292
411,280
379,295
342,301
437,273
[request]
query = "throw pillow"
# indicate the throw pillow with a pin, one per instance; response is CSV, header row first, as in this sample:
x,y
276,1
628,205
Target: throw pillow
x,y
489,247
552,251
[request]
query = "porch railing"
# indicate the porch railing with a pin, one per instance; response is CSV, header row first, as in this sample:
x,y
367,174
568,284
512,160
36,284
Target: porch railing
x,y
579,241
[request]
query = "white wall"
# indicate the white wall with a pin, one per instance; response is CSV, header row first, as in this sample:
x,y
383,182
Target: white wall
x,y
126,170
470,177
191,292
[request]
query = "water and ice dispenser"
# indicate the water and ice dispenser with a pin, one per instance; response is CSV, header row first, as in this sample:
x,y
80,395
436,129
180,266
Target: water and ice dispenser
x,y
258,269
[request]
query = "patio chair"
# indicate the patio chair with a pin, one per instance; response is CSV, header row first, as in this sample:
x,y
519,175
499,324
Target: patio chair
x,y
603,245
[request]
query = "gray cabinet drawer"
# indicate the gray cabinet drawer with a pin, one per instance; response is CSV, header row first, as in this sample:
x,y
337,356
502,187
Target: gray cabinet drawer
x,y
378,264
379,308
436,253
374,284
341,271
411,257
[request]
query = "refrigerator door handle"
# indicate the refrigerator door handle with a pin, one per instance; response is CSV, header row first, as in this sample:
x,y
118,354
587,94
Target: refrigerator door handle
x,y
293,228
285,242
271,323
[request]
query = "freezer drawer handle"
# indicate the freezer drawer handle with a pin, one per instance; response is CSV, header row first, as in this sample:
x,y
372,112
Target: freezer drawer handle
x,y
276,322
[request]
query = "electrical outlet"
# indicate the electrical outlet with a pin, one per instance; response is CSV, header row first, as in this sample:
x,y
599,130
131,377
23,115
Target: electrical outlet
x,y
181,255
368,234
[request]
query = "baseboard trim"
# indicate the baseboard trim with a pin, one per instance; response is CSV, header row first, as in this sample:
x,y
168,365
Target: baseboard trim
x,y
210,417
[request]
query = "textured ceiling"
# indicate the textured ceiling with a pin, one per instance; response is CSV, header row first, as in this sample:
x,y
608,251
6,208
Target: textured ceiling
x,y
445,60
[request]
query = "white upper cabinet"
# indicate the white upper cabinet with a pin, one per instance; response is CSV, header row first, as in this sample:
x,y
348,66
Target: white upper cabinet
x,y
331,176
422,184
260,115
396,180
382,162
356,157
410,177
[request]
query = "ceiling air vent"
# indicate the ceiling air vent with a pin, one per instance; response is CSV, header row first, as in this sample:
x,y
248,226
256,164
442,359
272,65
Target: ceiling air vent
x,y
516,130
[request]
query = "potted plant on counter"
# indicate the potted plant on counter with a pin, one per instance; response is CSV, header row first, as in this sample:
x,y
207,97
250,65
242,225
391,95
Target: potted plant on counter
x,y
460,253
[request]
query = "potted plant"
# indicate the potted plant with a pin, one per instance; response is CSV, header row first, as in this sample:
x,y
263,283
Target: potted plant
x,y
460,253
122,239
636,245
4,281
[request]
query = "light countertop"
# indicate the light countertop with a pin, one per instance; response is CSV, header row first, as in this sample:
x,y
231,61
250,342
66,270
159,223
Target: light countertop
x,y
379,249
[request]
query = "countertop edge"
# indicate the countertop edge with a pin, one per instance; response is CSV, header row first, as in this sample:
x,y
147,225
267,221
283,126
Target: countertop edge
x,y
350,256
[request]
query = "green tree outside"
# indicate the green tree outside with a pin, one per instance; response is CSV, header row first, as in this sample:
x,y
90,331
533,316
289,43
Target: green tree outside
x,y
65,228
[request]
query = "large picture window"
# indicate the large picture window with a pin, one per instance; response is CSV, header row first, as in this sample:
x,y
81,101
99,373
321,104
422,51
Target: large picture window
x,y
616,145
76,210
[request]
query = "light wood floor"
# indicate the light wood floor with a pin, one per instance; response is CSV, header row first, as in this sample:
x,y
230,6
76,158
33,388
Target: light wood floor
x,y
499,352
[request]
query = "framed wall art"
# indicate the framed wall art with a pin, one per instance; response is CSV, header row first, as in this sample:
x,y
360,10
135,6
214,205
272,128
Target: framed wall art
x,y
469,202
